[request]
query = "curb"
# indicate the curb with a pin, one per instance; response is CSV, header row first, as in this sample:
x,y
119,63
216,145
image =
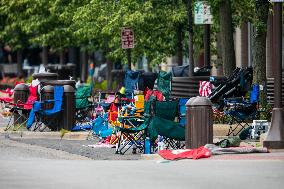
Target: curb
x,y
151,157
46,135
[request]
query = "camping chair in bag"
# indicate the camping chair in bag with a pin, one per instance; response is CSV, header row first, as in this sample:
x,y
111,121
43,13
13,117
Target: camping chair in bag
x,y
241,111
20,110
47,117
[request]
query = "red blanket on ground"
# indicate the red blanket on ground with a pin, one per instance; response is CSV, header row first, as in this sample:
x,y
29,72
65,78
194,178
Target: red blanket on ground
x,y
208,150
198,153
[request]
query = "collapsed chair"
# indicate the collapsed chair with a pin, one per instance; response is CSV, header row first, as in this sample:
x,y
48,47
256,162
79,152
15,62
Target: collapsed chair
x,y
237,85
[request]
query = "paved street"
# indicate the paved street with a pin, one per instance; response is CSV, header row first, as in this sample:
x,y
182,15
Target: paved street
x,y
51,163
31,166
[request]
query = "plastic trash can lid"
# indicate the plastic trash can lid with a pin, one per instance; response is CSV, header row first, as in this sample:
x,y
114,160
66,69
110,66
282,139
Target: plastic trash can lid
x,y
199,101
45,76
21,87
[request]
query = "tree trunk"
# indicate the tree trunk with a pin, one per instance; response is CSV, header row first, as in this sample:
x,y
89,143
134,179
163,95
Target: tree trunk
x,y
62,56
244,44
190,41
20,63
259,47
219,62
84,61
227,40
270,64
74,58
179,45
108,74
44,55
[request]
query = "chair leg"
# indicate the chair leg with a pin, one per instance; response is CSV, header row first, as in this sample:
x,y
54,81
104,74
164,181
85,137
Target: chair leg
x,y
9,125
239,125
131,139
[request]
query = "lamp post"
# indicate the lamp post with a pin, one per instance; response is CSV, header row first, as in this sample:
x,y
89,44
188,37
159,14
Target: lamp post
x,y
275,135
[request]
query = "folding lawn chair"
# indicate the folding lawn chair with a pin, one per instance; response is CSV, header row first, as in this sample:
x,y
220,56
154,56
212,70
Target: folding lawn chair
x,y
241,111
164,83
47,117
131,132
22,109
84,108
163,122
131,82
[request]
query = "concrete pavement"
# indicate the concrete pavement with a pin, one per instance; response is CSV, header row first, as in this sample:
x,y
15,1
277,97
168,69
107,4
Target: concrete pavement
x,y
42,173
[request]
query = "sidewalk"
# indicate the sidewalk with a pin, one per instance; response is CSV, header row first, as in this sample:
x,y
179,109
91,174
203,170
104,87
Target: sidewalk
x,y
46,135
219,132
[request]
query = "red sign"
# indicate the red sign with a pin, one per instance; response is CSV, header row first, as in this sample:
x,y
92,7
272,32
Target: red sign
x,y
127,38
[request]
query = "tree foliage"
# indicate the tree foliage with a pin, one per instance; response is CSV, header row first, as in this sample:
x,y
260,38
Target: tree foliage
x,y
96,24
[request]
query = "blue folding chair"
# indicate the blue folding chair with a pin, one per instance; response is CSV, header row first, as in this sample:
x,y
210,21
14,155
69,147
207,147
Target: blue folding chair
x,y
242,111
131,82
47,117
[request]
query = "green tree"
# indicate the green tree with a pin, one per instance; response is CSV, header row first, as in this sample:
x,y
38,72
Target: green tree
x,y
259,46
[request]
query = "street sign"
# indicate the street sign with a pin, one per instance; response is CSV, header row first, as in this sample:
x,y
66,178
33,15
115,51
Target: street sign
x,y
276,1
127,38
202,13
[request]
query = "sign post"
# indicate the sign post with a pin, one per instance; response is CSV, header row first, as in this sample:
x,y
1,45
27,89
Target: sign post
x,y
203,16
127,42
275,135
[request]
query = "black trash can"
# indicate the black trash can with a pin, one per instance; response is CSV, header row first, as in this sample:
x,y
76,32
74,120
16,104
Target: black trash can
x,y
199,123
45,76
66,119
59,82
64,71
68,107
21,93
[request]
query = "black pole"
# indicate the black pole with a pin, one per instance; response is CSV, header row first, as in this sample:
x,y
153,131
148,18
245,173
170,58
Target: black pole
x,y
190,42
128,52
44,55
207,45
275,135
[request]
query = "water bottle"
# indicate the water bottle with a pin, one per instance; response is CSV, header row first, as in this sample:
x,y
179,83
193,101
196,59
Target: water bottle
x,y
147,146
161,145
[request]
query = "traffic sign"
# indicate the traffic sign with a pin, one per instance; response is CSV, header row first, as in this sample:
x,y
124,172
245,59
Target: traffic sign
x,y
127,38
202,13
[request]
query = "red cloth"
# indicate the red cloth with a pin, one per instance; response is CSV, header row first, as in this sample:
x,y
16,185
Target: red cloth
x,y
157,94
205,88
113,112
32,98
198,153
6,99
8,91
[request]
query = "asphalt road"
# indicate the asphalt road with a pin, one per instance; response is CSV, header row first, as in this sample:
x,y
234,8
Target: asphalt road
x,y
29,166
43,163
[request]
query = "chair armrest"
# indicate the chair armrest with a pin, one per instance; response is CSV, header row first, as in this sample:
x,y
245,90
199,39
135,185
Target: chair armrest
x,y
84,97
49,101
